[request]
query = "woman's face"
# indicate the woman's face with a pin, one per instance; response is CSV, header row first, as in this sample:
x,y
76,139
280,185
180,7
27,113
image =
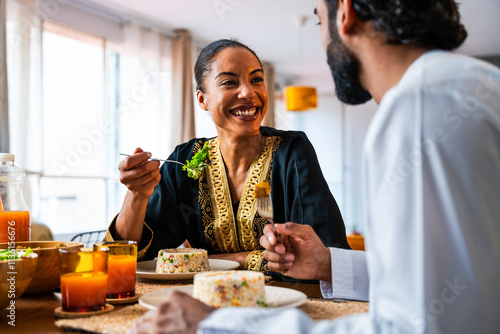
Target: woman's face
x,y
235,93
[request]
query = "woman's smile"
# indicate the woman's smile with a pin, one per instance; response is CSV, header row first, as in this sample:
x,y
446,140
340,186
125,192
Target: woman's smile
x,y
245,113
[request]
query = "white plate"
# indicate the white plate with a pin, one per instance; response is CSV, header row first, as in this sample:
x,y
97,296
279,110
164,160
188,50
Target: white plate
x,y
277,297
147,269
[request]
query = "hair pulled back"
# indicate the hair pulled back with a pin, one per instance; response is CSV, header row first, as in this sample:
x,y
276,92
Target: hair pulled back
x,y
207,55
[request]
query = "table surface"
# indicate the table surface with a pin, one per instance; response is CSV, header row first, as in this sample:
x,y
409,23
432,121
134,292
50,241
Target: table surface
x,y
35,313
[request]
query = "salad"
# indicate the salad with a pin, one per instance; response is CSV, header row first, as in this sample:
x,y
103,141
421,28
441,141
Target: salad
x,y
12,254
198,162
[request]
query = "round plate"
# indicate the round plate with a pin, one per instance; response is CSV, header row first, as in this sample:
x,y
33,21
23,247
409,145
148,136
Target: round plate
x,y
277,297
147,269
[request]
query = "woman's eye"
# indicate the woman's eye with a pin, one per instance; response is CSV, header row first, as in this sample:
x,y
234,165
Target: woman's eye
x,y
229,82
257,80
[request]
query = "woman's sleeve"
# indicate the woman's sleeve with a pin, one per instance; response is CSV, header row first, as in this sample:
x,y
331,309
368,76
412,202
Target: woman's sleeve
x,y
163,226
308,197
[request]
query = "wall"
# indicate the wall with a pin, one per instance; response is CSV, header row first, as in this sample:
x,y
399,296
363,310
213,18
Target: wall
x,y
337,133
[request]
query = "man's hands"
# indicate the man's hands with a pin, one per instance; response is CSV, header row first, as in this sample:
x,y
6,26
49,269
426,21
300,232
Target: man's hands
x,y
138,174
301,255
179,313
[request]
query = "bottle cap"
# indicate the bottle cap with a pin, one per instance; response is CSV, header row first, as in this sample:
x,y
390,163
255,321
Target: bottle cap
x,y
7,157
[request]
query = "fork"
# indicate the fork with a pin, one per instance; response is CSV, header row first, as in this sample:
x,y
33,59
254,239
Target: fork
x,y
176,162
265,210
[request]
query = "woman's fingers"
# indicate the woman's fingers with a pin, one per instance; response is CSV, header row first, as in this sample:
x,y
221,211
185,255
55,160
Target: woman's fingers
x,y
134,174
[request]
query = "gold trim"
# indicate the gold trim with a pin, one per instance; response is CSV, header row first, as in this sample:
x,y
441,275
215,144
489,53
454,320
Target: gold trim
x,y
226,233
254,260
247,207
142,252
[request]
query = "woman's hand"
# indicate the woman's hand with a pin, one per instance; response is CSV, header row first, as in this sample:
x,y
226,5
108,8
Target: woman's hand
x,y
179,313
139,174
300,255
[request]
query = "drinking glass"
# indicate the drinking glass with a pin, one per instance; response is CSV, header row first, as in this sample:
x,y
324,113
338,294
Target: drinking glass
x,y
122,264
83,279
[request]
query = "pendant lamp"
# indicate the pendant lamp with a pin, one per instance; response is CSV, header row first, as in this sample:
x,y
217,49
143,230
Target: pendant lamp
x,y
300,98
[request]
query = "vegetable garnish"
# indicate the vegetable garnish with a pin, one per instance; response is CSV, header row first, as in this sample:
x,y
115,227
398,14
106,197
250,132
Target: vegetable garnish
x,y
12,254
198,162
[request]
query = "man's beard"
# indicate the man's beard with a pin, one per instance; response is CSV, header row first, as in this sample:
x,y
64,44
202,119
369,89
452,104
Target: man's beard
x,y
344,66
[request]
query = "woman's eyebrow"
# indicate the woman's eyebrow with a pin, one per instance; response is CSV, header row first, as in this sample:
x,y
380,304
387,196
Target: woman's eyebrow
x,y
225,73
234,74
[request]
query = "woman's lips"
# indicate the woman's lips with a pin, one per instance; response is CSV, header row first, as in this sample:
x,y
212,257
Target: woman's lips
x,y
244,111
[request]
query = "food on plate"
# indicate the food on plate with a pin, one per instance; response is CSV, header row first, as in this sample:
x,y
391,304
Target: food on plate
x,y
262,189
182,260
198,162
242,288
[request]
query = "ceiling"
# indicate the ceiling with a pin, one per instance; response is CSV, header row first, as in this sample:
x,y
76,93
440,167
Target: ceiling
x,y
268,27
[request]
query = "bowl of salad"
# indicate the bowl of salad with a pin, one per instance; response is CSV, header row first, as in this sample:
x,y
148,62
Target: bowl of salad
x,y
17,269
47,273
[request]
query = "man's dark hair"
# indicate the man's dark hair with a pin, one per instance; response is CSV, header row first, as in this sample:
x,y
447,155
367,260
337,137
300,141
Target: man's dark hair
x,y
207,55
424,23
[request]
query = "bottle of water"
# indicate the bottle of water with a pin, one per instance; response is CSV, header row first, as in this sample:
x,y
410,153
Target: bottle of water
x,y
15,222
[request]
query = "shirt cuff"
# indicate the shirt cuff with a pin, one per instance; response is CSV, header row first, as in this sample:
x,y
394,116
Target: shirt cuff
x,y
349,276
244,320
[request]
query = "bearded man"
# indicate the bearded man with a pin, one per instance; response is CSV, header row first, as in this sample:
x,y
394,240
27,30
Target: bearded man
x,y
431,184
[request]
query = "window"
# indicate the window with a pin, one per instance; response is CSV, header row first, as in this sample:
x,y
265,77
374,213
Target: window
x,y
76,101
75,177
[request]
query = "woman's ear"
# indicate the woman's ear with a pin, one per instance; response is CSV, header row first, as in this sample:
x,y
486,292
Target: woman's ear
x,y
202,101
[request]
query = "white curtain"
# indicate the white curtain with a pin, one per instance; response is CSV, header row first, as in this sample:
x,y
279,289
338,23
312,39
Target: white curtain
x,y
4,100
145,97
182,98
23,32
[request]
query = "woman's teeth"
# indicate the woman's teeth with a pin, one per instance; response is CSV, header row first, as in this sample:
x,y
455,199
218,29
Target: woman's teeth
x,y
249,112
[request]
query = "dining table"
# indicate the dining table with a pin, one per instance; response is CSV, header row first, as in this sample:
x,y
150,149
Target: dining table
x,y
35,313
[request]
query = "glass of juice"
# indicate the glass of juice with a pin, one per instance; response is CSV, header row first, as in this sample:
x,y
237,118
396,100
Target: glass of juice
x,y
122,264
83,279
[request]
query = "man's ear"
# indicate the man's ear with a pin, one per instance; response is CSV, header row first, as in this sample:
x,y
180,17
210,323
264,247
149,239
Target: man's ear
x,y
202,101
346,17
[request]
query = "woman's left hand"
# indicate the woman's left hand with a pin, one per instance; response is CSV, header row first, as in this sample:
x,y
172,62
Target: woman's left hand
x,y
238,257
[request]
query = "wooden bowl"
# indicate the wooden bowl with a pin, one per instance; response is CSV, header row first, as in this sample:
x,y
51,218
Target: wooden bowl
x,y
47,273
24,270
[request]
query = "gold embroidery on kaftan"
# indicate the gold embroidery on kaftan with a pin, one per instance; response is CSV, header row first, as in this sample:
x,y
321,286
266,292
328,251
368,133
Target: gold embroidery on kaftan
x,y
226,233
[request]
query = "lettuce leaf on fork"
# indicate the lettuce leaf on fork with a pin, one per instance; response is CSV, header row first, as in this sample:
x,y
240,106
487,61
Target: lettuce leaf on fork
x,y
198,162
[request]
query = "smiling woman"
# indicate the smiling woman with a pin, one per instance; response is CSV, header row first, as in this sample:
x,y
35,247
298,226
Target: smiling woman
x,y
217,211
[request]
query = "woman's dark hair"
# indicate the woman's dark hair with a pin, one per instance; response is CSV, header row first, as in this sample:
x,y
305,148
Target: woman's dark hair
x,y
207,55
424,23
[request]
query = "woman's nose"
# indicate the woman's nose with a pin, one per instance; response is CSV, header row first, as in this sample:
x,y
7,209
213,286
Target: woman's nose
x,y
246,91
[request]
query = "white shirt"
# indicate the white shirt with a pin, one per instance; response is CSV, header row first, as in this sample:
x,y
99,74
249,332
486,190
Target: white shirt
x,y
432,191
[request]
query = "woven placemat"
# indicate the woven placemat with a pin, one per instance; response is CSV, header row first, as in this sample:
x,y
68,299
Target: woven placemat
x,y
122,318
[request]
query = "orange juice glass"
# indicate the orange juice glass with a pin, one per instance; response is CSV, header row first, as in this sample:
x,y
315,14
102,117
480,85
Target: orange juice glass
x,y
83,279
15,226
122,264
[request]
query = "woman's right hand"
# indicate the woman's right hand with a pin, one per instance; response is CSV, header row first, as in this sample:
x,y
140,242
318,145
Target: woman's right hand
x,y
139,174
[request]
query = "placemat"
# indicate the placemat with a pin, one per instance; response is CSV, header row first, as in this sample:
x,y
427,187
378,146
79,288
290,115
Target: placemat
x,y
122,318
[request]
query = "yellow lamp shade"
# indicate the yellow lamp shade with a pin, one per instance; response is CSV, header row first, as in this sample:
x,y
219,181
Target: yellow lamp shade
x,y
300,98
